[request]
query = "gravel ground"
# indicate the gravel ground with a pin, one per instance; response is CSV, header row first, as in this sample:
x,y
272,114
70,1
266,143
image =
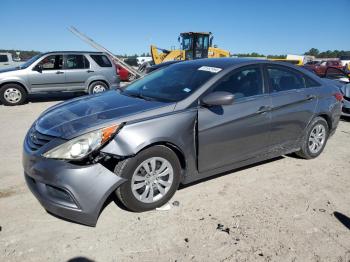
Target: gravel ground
x,y
286,209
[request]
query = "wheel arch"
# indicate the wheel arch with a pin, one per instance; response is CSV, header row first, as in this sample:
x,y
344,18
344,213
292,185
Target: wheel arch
x,y
16,83
179,153
328,120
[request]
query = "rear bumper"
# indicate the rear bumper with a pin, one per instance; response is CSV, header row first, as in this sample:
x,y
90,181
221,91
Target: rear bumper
x,y
76,193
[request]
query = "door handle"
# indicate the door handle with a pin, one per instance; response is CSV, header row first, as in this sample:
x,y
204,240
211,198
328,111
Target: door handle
x,y
263,109
90,71
59,72
311,97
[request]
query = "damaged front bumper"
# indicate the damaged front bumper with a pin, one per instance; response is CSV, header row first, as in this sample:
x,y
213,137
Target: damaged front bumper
x,y
74,192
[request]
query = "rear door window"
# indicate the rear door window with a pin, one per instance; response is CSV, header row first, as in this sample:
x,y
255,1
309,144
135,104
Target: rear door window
x,y
244,83
283,79
76,62
101,60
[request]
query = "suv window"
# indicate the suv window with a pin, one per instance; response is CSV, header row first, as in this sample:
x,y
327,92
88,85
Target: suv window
x,y
101,60
283,79
3,58
76,62
244,83
52,62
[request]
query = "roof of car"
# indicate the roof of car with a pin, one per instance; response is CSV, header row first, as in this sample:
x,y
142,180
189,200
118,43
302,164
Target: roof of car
x,y
227,63
75,52
223,62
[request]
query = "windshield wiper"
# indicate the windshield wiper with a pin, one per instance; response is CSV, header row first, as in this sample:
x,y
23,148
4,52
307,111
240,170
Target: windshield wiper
x,y
139,95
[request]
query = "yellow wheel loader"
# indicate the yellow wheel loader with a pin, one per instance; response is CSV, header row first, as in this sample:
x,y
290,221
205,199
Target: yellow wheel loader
x,y
194,45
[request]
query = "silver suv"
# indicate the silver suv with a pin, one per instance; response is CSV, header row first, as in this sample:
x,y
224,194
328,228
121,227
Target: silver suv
x,y
90,72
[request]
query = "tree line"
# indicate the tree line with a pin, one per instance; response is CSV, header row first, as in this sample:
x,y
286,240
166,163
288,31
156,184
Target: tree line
x,y
24,55
327,54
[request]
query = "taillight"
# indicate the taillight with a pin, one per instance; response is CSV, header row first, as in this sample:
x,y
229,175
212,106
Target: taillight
x,y
338,96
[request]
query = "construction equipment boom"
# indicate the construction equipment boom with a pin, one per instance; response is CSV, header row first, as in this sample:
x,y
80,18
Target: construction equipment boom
x,y
100,48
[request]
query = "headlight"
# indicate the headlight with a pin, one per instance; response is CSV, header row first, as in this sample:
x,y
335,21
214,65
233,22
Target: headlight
x,y
83,145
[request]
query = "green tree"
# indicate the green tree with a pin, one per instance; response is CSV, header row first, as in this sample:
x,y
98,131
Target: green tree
x,y
313,52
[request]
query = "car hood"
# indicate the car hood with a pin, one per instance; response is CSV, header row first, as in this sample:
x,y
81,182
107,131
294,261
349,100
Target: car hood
x,y
8,69
84,114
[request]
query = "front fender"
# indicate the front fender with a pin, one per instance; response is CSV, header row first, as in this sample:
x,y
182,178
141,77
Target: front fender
x,y
177,128
14,79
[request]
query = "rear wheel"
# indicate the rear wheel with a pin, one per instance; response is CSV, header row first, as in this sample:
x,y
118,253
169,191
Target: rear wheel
x,y
12,94
153,177
131,77
97,87
315,139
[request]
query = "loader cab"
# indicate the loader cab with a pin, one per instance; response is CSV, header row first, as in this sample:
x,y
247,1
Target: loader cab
x,y
195,45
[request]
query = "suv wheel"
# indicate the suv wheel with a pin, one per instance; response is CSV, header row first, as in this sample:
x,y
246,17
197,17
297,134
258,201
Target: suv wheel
x,y
97,87
315,139
12,94
152,176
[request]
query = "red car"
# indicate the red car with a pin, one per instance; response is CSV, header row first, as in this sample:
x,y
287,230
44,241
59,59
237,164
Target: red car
x,y
124,75
321,67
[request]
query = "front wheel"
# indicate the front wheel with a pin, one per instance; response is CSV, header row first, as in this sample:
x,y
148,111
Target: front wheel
x,y
153,177
315,139
12,94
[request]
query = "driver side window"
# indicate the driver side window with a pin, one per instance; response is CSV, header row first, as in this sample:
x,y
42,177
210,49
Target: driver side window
x,y
52,62
244,83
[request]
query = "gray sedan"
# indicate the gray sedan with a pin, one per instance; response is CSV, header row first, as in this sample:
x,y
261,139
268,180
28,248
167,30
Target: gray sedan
x,y
179,124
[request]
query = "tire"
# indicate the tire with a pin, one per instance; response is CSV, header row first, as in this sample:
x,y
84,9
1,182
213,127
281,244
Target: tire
x,y
131,77
143,66
97,87
132,169
317,126
13,94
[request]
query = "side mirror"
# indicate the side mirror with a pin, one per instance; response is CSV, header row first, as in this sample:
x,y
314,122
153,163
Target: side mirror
x,y
38,68
219,98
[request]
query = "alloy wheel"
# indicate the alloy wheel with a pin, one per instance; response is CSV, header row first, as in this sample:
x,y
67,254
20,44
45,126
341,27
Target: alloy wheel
x,y
317,138
152,179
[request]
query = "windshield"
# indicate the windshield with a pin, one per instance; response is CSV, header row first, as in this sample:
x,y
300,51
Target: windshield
x,y
30,61
172,83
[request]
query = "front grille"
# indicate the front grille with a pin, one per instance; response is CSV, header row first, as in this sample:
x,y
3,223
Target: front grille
x,y
35,139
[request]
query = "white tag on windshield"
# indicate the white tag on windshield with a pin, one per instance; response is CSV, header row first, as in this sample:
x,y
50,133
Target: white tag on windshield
x,y
210,69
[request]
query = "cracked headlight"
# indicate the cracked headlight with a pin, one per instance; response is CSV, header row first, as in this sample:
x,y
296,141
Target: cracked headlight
x,y
81,146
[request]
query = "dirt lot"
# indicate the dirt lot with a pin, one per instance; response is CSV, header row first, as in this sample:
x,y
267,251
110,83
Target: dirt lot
x,y
286,209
